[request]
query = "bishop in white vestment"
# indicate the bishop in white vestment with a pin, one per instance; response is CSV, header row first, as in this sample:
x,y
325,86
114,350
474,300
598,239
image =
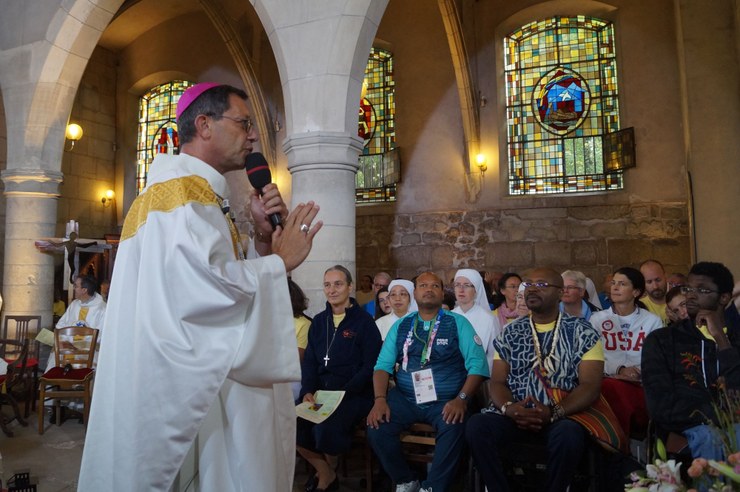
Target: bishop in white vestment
x,y
199,345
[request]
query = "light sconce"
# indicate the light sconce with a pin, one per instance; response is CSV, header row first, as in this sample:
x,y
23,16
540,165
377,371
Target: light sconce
x,y
73,134
481,162
108,197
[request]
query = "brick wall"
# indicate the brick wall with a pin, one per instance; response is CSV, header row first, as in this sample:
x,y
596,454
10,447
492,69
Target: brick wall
x,y
595,240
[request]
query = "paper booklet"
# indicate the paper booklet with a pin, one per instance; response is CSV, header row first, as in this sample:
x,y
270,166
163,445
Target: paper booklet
x,y
325,404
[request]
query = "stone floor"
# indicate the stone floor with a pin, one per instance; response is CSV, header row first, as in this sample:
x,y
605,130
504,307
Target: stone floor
x,y
53,459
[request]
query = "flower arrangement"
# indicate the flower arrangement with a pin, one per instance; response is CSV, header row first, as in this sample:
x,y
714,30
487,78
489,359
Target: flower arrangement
x,y
662,476
716,476
706,475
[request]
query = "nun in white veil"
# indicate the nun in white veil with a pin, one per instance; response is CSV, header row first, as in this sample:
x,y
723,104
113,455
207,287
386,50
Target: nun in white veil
x,y
471,302
401,297
593,296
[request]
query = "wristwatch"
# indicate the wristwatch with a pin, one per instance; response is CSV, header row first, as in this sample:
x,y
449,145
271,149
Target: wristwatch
x,y
463,396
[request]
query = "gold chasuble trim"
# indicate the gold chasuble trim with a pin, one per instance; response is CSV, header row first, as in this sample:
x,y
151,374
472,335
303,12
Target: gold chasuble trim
x,y
170,195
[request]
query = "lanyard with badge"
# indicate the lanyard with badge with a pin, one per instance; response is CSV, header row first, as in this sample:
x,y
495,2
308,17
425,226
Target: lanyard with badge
x,y
423,379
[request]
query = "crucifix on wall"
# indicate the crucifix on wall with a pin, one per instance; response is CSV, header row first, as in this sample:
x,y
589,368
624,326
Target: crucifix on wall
x,y
71,246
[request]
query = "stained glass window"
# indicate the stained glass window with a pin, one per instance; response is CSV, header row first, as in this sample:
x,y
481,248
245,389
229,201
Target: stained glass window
x,y
379,169
157,126
561,102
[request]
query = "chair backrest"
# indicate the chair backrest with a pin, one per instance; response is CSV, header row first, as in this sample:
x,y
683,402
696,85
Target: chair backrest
x,y
75,345
26,327
17,367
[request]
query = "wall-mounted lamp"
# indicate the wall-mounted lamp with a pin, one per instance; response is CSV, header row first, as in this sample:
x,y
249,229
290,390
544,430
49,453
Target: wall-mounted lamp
x,y
73,134
108,197
481,162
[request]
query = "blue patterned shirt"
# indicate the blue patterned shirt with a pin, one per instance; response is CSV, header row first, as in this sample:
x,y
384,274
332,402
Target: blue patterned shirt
x,y
515,347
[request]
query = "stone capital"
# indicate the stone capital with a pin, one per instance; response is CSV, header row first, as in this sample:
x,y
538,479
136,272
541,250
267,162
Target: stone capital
x,y
32,182
322,150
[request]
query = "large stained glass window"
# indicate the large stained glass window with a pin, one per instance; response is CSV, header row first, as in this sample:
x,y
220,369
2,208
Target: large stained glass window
x,y
379,169
157,126
561,102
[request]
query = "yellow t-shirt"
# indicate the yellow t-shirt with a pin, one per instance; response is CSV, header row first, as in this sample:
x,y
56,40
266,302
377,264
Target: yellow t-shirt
x,y
657,309
338,319
301,331
705,331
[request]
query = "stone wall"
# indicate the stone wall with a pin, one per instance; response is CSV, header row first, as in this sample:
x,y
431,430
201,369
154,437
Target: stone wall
x,y
3,166
595,240
88,168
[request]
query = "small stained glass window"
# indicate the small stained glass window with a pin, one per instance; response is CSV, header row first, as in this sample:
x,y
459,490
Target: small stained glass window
x,y
561,105
157,126
379,169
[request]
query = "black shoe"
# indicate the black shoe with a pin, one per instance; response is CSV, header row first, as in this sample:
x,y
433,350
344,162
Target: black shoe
x,y
312,483
331,487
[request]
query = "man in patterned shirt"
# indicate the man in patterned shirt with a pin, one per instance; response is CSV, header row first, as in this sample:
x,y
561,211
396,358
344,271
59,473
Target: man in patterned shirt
x,y
534,355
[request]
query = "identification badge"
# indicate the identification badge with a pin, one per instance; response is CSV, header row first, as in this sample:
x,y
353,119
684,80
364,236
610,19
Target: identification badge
x,y
424,386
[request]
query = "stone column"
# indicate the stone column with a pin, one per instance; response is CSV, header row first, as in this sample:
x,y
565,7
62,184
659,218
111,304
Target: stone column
x,y
323,167
31,213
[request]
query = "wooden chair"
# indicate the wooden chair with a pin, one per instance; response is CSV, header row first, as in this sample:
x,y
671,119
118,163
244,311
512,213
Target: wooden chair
x,y
418,443
72,376
26,328
13,380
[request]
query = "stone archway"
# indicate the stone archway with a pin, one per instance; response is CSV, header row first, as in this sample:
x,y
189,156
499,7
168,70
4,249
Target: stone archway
x,y
39,80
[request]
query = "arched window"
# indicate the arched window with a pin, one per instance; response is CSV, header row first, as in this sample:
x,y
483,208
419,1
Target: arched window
x,y
562,109
379,169
157,126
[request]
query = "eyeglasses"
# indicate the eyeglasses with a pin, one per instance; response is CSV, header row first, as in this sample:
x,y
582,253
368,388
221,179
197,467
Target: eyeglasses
x,y
540,285
512,286
464,286
398,295
685,289
246,123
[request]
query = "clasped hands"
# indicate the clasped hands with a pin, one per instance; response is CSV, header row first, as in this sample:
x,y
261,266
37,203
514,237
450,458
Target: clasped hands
x,y
529,414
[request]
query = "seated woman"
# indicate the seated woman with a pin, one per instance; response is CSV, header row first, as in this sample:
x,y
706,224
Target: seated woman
x,y
623,329
508,285
574,300
343,345
675,305
301,322
382,303
472,303
402,302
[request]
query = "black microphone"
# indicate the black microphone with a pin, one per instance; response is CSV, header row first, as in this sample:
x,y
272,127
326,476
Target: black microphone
x,y
258,172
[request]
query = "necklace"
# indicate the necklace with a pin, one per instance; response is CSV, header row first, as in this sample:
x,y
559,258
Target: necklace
x,y
329,343
547,365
